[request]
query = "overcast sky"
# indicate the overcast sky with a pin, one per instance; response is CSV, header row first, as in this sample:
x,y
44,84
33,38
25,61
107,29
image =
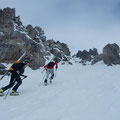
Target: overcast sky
x,y
82,24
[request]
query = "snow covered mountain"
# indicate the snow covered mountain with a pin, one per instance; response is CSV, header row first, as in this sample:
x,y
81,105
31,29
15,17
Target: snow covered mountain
x,y
77,93
15,39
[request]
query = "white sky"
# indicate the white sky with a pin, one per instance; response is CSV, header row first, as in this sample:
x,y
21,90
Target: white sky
x,y
82,24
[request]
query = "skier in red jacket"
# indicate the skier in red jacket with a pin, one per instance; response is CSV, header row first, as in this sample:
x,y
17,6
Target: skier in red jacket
x,y
50,70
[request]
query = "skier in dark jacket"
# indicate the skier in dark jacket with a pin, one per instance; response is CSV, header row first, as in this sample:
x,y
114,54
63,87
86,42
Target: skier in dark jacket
x,y
50,70
16,70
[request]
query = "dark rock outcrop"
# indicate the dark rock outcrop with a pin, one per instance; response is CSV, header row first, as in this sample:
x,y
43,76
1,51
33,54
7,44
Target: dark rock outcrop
x,y
111,54
93,52
87,56
84,55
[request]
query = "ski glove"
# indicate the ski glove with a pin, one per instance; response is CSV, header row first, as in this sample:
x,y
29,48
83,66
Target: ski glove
x,y
25,76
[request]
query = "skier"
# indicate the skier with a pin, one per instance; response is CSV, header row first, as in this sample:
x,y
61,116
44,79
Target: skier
x,y
50,70
16,70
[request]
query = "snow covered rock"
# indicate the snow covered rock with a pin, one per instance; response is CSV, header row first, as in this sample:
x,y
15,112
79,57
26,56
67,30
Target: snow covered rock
x,y
87,55
96,59
2,66
15,39
84,55
93,52
2,69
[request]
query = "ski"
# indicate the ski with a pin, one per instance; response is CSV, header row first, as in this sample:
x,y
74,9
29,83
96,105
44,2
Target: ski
x,y
1,94
46,84
14,62
4,74
22,56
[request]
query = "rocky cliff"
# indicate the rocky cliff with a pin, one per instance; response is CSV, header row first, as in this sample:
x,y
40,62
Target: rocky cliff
x,y
110,55
15,39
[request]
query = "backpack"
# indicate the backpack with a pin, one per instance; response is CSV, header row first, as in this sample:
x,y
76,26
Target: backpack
x,y
50,64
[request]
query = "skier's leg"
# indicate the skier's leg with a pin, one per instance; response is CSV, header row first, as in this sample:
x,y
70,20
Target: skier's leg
x,y
19,82
52,75
14,90
11,83
47,75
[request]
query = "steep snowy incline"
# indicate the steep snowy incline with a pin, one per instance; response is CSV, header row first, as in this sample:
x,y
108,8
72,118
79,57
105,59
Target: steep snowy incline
x,y
77,93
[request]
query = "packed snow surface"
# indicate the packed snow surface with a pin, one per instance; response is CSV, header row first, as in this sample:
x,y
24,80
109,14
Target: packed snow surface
x,y
77,93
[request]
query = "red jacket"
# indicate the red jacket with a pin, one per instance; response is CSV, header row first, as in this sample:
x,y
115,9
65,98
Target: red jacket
x,y
51,67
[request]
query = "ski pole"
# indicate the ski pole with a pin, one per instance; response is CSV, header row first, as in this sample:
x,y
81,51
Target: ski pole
x,y
7,93
23,78
42,79
44,76
9,90
4,74
55,72
43,71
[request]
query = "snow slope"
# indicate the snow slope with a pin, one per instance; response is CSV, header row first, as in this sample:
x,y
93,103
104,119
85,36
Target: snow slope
x,y
77,93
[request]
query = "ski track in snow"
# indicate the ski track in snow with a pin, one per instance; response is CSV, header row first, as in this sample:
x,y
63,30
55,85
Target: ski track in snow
x,y
77,93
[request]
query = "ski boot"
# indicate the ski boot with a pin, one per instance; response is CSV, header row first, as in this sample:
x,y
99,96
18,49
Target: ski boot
x,y
1,92
14,93
50,80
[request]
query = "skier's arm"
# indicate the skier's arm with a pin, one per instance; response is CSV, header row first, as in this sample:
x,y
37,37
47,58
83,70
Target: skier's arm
x,y
25,76
21,73
45,66
56,64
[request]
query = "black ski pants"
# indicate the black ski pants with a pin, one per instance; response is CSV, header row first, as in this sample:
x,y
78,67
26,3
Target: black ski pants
x,y
14,81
